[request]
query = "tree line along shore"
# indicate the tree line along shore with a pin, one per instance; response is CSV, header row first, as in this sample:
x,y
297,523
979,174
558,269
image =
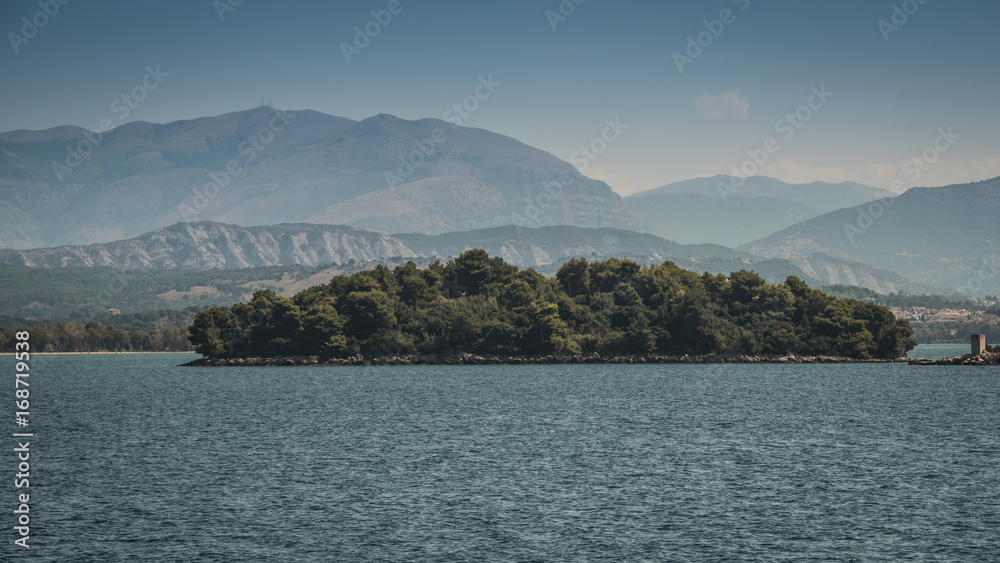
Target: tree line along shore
x,y
97,338
477,306
465,359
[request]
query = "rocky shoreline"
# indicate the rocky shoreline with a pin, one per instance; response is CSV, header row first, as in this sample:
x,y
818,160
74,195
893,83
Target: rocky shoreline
x,y
487,359
984,359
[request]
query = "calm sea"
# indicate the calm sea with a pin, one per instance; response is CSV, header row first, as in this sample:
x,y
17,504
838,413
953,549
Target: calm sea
x,y
935,351
135,459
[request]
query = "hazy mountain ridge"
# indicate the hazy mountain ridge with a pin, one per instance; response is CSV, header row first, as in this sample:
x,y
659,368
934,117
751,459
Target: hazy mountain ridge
x,y
296,166
207,245
210,245
554,245
733,211
947,236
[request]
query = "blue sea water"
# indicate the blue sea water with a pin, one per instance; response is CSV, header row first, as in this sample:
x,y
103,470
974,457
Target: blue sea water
x,y
135,459
936,351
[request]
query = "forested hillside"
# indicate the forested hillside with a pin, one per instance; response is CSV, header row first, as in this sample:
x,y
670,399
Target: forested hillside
x,y
480,304
86,293
94,337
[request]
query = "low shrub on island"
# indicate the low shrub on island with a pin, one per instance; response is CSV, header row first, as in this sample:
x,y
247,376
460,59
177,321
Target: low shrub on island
x,y
482,305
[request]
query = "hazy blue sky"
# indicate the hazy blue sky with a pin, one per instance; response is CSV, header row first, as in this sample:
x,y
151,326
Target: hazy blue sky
x,y
893,87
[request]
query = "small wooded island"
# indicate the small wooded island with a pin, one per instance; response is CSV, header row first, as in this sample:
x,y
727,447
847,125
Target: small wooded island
x,y
478,305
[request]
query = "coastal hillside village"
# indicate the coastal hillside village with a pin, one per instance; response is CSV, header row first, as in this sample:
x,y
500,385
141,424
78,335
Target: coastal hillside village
x,y
943,324
928,315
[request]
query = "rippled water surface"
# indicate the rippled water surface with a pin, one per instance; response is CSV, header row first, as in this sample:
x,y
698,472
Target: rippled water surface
x,y
137,460
935,351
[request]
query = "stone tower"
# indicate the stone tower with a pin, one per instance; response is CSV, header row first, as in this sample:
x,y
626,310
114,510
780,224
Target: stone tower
x,y
978,344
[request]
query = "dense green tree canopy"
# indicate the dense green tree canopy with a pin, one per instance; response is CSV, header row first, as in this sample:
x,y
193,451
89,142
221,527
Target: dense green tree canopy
x,y
480,304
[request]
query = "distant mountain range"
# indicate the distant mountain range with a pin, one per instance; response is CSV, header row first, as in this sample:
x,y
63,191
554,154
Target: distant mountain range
x,y
948,236
67,185
733,211
207,245
330,190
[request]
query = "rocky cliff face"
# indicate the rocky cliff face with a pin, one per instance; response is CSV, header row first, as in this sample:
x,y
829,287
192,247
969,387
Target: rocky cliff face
x,y
208,245
832,271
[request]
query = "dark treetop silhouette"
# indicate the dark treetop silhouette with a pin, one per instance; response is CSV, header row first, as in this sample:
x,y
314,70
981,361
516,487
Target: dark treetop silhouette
x,y
482,305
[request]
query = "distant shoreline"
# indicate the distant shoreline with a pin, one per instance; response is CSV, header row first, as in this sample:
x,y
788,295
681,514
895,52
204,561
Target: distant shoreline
x,y
549,359
984,359
99,353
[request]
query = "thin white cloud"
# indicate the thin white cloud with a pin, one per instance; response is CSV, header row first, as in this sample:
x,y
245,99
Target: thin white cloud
x,y
726,104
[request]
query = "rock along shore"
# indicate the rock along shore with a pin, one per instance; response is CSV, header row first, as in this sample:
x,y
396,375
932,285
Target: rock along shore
x,y
984,359
489,359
